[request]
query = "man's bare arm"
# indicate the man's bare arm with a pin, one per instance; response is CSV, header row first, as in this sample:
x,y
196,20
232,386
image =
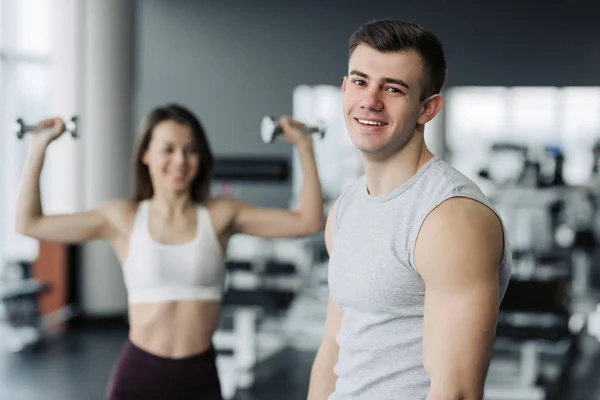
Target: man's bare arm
x,y
322,378
458,253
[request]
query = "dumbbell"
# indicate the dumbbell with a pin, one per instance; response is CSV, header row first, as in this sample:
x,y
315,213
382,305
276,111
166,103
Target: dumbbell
x,y
270,129
21,128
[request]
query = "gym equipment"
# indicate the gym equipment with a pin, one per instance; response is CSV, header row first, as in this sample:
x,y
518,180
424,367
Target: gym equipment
x,y
525,370
20,301
270,129
548,302
246,343
71,126
594,323
22,322
251,169
262,281
25,325
515,164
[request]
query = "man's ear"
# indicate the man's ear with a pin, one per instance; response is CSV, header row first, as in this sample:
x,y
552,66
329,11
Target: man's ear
x,y
430,107
344,83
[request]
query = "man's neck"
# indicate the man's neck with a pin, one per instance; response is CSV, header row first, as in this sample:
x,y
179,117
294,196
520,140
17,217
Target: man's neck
x,y
385,176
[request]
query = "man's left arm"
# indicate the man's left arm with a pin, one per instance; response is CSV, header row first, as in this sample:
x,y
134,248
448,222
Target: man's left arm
x,y
458,253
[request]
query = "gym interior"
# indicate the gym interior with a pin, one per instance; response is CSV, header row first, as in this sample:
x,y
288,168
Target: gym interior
x,y
521,119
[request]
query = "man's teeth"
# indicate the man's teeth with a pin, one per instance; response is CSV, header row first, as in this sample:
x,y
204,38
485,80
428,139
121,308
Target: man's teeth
x,y
375,123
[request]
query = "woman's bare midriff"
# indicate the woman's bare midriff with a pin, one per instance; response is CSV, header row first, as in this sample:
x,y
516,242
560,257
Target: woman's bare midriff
x,y
176,329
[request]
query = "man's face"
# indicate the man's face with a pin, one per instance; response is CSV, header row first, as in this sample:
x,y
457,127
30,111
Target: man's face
x,y
382,99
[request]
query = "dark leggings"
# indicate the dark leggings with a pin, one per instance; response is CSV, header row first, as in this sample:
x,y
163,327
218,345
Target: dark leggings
x,y
141,375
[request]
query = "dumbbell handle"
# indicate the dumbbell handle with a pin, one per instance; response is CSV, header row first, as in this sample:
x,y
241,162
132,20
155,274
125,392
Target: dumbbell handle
x,y
69,126
22,128
269,129
304,128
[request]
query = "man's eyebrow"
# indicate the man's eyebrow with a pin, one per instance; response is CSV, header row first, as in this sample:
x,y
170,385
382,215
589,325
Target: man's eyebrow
x,y
385,80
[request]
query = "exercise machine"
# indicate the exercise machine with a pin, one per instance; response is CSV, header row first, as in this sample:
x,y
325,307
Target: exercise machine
x,y
21,319
263,279
548,225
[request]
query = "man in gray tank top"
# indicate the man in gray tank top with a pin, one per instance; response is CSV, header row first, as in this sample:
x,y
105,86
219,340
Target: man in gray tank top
x,y
419,261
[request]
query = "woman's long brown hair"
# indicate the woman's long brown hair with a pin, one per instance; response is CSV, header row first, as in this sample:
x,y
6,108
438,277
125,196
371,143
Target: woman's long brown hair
x,y
201,185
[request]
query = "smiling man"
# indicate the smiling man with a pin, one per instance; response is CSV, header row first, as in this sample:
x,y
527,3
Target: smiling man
x,y
419,261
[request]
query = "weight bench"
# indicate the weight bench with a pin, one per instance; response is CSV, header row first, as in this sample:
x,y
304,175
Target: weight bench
x,y
22,313
251,297
240,346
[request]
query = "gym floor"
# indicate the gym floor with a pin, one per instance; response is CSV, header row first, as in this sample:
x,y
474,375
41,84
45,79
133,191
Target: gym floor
x,y
77,365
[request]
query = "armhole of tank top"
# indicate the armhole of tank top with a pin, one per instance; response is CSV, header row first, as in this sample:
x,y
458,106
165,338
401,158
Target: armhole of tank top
x,y
505,242
206,227
141,219
338,205
491,207
414,234
201,220
137,230
417,230
335,217
144,213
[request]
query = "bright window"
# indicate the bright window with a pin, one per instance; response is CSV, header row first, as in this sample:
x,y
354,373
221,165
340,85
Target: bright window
x,y
25,49
568,117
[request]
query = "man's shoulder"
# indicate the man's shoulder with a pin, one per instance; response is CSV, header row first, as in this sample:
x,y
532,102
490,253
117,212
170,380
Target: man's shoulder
x,y
458,201
463,209
451,174
448,181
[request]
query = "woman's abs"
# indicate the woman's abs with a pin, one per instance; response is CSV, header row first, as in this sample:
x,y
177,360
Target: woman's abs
x,y
174,329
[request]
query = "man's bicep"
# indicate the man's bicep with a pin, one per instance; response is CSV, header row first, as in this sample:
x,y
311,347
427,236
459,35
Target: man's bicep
x,y
458,334
458,253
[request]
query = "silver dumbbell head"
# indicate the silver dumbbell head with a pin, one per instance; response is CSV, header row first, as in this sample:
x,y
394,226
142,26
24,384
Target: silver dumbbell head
x,y
267,129
73,126
19,127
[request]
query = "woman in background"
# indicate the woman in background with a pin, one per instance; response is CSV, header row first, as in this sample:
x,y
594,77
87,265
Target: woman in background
x,y
171,241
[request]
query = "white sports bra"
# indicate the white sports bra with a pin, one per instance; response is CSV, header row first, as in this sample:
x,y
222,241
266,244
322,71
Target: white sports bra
x,y
156,272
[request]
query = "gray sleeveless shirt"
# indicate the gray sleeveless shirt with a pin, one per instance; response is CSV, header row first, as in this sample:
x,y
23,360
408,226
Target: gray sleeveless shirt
x,y
373,279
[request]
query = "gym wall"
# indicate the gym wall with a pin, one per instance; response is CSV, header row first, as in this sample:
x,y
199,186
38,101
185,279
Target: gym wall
x,y
234,61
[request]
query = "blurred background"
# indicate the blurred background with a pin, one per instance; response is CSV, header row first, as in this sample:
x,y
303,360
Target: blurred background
x,y
522,119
